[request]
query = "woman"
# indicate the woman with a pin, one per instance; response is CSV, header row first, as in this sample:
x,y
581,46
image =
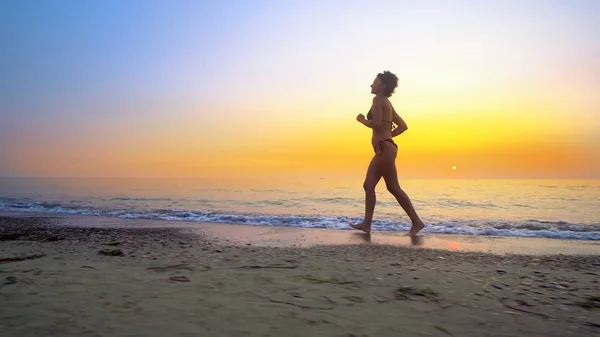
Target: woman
x,y
380,119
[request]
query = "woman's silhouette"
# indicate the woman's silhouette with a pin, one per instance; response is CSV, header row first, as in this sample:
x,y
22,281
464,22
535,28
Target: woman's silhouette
x,y
380,119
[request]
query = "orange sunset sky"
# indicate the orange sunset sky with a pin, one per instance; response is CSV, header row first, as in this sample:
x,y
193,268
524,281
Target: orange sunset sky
x,y
506,89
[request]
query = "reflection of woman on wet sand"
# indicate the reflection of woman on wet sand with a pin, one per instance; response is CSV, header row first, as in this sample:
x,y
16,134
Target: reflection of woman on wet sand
x,y
380,119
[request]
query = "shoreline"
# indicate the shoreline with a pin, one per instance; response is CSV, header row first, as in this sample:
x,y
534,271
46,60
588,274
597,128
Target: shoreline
x,y
276,236
182,282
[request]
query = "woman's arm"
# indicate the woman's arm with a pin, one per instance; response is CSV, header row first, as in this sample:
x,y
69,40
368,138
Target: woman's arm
x,y
401,124
376,109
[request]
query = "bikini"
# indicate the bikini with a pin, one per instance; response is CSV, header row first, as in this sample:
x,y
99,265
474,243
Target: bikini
x,y
382,144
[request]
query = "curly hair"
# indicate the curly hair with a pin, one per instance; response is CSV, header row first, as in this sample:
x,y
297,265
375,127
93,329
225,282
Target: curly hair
x,y
390,80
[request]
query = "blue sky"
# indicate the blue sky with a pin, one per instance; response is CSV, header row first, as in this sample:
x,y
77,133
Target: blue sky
x,y
74,72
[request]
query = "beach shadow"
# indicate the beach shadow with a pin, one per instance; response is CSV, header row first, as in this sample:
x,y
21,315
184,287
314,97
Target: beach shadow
x,y
364,237
417,240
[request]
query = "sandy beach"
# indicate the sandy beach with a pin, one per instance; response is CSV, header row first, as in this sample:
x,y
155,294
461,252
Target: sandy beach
x,y
65,276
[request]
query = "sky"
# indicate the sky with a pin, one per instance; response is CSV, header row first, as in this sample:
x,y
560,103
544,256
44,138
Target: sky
x,y
504,89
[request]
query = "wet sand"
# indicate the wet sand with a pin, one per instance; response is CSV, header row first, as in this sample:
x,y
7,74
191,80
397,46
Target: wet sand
x,y
178,279
265,236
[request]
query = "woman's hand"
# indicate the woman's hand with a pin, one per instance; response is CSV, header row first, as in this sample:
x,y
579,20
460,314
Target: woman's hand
x,y
361,118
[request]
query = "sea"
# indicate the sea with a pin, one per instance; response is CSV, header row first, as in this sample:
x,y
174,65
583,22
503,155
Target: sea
x,y
561,209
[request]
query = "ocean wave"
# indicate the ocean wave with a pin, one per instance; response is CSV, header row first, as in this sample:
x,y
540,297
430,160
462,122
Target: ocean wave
x,y
140,199
445,202
527,228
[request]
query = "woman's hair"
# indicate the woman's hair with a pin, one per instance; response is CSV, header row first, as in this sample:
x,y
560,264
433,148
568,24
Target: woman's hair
x,y
390,80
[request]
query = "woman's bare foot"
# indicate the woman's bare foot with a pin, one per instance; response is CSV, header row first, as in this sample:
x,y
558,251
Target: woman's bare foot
x,y
416,227
362,227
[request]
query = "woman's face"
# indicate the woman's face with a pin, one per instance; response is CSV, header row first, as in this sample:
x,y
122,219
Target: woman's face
x,y
376,87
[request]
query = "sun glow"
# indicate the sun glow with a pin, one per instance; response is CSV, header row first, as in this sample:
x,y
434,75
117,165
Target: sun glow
x,y
275,89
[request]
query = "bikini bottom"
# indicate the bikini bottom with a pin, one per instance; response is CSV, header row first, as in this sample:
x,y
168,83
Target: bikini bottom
x,y
382,145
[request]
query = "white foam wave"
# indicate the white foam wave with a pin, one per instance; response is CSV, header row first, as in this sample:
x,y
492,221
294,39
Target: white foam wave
x,y
529,228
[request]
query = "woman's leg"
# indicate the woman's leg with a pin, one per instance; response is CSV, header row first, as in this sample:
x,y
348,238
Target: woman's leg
x,y
390,175
371,180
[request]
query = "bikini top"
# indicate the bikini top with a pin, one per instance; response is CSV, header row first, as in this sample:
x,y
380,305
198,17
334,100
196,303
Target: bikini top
x,y
370,117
